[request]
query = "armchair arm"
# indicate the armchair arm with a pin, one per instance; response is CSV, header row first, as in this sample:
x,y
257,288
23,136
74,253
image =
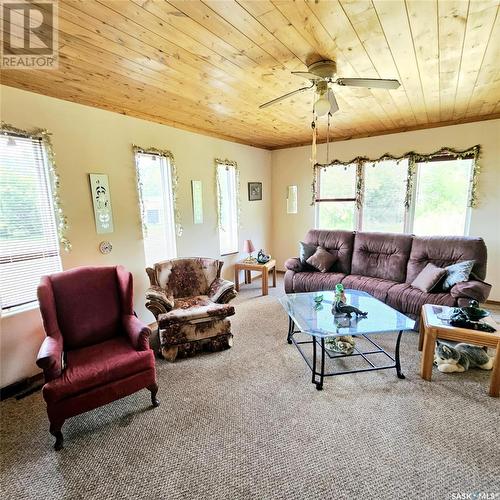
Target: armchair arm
x,y
221,291
137,332
50,358
158,302
294,264
473,289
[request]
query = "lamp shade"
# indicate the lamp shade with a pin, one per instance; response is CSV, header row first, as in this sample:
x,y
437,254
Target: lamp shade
x,y
248,246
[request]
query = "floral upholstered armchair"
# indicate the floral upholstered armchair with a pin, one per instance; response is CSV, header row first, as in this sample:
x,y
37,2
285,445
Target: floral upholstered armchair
x,y
189,300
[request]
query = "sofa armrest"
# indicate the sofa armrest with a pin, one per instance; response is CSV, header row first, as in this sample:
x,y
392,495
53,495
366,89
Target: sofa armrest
x,y
137,332
157,294
473,289
50,358
294,264
221,291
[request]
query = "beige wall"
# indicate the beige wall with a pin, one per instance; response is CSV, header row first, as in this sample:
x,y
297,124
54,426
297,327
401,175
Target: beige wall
x,y
91,140
292,166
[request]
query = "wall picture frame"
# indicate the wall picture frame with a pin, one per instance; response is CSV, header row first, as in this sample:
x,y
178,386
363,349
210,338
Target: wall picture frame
x,y
197,194
254,191
101,200
291,200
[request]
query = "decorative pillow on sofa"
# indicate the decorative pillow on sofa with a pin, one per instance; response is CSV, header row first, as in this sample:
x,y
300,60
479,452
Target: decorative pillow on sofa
x,y
322,260
428,277
456,273
306,250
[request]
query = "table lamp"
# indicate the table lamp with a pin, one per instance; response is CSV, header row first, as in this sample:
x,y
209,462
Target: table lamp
x,y
249,248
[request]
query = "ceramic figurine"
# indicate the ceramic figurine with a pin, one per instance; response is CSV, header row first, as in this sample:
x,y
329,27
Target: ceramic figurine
x,y
340,307
262,258
344,344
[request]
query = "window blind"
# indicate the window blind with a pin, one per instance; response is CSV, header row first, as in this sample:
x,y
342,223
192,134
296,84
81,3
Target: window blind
x,y
29,245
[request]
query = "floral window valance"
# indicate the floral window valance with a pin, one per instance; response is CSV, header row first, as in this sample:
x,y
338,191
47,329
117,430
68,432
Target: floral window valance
x,y
175,182
413,158
43,135
233,165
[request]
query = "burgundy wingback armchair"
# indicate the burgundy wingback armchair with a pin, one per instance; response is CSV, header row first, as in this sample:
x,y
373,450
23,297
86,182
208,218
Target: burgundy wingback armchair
x,y
96,350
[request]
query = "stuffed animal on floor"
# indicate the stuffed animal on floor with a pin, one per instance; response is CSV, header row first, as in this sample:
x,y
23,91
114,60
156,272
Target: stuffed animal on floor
x,y
344,344
460,358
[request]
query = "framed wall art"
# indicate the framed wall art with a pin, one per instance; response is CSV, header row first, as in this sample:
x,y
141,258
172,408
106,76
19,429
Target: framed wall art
x,y
254,191
197,193
101,199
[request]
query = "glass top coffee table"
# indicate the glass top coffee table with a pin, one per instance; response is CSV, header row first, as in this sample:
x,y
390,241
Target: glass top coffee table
x,y
316,323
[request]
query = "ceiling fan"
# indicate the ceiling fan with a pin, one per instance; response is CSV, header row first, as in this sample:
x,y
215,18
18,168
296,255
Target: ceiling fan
x,y
321,74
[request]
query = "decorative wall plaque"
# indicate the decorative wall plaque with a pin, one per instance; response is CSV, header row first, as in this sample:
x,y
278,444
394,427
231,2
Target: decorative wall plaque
x,y
101,198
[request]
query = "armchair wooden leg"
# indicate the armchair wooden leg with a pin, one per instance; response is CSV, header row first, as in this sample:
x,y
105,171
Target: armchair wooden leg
x,y
55,430
154,400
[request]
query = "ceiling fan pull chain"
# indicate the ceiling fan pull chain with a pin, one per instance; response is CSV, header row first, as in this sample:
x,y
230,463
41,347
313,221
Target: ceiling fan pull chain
x,y
328,140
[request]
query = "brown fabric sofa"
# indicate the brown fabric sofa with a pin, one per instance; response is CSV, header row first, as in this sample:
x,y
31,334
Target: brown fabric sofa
x,y
384,265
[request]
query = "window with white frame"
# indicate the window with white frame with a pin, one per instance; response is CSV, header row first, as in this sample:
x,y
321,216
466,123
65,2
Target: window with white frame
x,y
439,196
155,178
227,194
29,242
336,198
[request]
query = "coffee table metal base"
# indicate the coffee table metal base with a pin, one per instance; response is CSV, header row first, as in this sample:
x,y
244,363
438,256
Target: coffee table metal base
x,y
319,358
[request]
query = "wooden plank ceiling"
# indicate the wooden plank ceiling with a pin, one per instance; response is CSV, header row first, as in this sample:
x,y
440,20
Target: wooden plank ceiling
x,y
207,65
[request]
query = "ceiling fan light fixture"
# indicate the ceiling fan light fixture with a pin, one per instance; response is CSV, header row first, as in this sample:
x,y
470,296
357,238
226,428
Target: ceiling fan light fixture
x,y
322,105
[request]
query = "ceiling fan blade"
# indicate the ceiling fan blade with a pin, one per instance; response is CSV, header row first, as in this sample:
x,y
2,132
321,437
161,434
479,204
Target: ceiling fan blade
x,y
334,107
286,96
373,83
306,74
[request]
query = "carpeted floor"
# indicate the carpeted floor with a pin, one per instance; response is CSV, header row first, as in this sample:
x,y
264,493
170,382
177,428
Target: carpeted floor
x,y
247,423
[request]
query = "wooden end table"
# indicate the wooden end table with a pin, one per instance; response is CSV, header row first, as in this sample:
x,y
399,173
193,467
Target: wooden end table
x,y
432,328
248,267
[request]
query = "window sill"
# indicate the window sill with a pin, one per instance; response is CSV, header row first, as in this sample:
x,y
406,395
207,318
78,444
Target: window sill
x,y
20,309
230,253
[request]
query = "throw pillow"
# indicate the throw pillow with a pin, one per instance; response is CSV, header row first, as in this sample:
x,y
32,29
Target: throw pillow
x,y
456,273
428,277
306,250
322,260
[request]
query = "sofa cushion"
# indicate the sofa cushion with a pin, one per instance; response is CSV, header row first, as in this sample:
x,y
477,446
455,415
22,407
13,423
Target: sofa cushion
x,y
97,365
312,282
408,299
306,250
322,260
456,273
338,243
377,287
381,255
444,251
198,308
428,277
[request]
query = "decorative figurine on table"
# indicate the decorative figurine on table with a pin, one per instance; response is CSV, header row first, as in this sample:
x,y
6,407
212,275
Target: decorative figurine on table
x,y
343,345
262,258
318,299
339,293
469,317
340,307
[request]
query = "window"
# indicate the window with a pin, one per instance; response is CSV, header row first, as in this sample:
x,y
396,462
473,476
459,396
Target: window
x,y
439,202
29,244
227,193
384,196
336,203
442,196
154,173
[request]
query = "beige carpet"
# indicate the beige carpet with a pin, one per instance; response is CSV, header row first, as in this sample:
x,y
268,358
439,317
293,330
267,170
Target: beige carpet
x,y
247,423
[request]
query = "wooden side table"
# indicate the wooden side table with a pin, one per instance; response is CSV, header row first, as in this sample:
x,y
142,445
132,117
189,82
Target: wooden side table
x,y
432,328
248,267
